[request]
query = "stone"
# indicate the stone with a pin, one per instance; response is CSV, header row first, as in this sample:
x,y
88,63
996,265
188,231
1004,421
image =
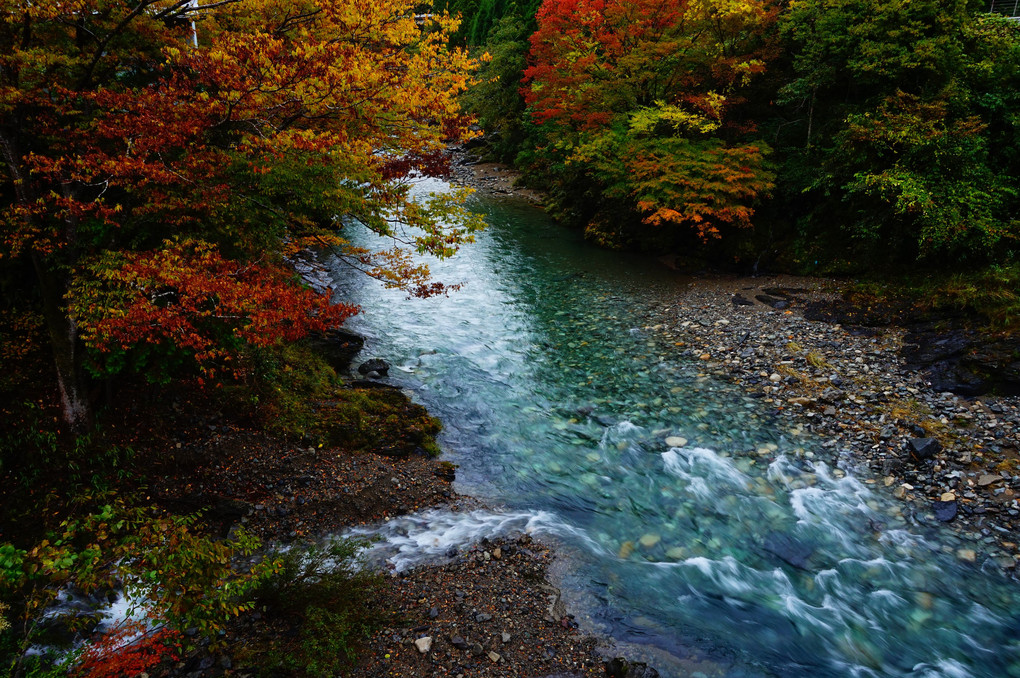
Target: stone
x,y
945,511
775,377
623,668
494,656
920,449
788,549
505,637
424,644
829,411
778,304
649,540
459,643
626,548
986,479
676,441
482,617
967,555
948,496
497,553
900,492
374,365
799,400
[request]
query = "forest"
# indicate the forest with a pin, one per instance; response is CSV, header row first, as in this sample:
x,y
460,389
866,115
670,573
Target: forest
x,y
856,134
168,162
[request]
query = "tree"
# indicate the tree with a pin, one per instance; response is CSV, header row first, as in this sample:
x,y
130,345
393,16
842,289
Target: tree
x,y
898,122
156,185
640,97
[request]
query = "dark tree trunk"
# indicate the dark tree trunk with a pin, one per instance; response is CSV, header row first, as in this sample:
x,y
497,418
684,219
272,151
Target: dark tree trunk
x,y
68,351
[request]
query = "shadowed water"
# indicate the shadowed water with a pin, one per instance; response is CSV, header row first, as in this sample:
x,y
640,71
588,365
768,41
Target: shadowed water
x,y
694,523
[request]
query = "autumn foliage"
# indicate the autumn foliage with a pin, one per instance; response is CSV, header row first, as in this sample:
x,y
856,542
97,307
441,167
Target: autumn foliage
x,y
162,156
188,296
638,96
128,650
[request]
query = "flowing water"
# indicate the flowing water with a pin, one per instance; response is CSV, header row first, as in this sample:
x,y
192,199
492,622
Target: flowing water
x,y
693,523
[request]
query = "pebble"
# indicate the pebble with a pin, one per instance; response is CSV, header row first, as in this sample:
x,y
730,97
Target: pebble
x,y
424,644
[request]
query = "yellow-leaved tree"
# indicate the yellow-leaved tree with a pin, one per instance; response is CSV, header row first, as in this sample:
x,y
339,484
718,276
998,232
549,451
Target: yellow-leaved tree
x,y
217,135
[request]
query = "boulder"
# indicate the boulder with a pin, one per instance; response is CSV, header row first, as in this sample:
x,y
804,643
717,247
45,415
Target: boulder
x,y
337,346
377,365
774,302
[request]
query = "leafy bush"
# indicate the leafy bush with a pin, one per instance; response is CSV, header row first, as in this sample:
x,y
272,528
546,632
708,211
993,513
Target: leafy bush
x,y
322,591
187,579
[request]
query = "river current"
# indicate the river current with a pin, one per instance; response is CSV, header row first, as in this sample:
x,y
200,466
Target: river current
x,y
690,522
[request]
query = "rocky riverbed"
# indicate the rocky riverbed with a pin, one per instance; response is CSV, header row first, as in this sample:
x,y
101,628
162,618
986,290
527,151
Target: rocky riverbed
x,y
951,459
897,402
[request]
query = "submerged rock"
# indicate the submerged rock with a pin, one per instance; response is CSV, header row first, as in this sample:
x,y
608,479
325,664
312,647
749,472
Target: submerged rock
x,y
788,549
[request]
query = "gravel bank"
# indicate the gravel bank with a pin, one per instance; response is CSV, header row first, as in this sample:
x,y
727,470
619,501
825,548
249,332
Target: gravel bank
x,y
952,460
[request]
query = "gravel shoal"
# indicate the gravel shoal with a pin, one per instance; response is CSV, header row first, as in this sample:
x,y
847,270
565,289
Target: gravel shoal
x,y
949,459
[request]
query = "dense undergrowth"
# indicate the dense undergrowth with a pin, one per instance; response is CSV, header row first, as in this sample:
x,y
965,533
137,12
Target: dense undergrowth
x,y
76,517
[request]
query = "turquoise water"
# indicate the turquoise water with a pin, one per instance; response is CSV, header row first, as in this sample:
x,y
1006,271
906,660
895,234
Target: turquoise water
x,y
693,522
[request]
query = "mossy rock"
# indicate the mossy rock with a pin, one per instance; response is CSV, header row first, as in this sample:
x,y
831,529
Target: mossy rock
x,y
378,420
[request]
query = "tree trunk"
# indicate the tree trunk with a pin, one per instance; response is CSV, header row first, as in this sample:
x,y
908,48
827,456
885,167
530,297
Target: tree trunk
x,y
68,351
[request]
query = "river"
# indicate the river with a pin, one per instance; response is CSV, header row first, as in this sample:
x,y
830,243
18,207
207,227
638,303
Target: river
x,y
689,522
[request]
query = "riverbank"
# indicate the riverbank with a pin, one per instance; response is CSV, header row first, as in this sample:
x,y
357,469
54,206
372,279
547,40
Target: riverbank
x,y
488,610
951,460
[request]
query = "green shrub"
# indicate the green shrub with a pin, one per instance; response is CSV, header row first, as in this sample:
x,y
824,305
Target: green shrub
x,y
322,591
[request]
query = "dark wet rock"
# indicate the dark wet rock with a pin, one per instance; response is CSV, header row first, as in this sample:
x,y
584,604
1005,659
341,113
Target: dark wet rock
x,y
623,668
446,471
928,348
338,347
788,549
945,511
774,302
740,300
459,643
955,378
785,292
374,365
922,449
963,361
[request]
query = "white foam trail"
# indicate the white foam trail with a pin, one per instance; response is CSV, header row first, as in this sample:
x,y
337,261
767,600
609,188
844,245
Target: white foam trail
x,y
704,471
428,536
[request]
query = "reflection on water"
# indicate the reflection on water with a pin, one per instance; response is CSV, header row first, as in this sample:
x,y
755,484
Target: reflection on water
x,y
695,524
